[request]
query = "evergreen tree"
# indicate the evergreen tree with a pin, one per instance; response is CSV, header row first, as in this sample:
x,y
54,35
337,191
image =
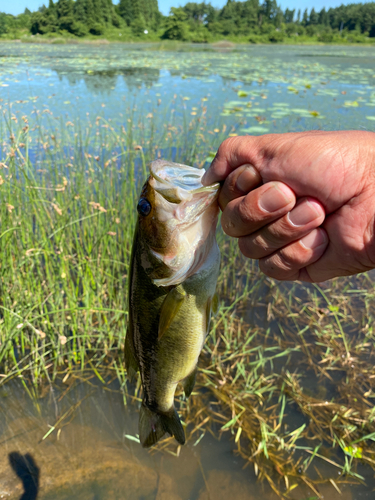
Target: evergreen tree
x,y
323,17
126,11
80,11
64,8
305,18
130,10
289,15
269,10
314,18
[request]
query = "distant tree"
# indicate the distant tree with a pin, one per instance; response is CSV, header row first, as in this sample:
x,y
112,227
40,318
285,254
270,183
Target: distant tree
x,y
3,23
45,20
176,27
311,30
314,17
126,11
305,18
368,18
323,17
130,10
269,10
196,11
138,26
289,15
291,29
196,19
80,11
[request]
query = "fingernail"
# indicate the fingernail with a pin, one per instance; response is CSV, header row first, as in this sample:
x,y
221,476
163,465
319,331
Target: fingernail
x,y
276,197
314,239
305,212
247,179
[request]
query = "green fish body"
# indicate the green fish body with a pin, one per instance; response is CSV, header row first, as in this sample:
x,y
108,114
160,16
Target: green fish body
x,y
170,309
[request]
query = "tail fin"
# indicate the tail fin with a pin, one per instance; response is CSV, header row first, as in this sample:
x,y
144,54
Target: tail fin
x,y
153,426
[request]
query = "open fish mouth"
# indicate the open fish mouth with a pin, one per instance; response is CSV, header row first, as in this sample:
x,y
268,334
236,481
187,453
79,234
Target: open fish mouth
x,y
180,183
184,221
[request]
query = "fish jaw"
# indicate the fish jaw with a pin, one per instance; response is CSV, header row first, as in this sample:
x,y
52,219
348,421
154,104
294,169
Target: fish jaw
x,y
181,230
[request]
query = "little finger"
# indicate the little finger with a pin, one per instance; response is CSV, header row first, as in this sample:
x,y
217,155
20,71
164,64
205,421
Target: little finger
x,y
289,262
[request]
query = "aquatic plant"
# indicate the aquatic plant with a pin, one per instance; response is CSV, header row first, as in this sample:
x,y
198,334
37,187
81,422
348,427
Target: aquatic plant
x,y
69,193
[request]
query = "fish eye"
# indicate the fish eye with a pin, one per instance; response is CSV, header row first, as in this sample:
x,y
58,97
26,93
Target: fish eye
x,y
144,207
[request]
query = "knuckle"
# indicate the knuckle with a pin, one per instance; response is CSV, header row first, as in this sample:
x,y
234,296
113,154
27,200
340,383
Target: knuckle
x,y
227,224
248,249
256,247
269,267
228,145
245,211
290,256
282,263
245,248
230,185
260,242
274,268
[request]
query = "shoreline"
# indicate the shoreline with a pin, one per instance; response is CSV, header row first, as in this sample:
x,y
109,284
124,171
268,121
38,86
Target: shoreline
x,y
224,44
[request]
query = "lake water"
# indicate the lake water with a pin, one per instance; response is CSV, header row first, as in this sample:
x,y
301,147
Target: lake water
x,y
77,440
282,88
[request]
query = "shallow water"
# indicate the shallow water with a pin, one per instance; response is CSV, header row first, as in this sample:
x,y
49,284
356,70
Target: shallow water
x,y
90,455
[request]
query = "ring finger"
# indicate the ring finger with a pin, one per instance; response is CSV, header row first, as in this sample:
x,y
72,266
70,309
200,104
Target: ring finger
x,y
307,215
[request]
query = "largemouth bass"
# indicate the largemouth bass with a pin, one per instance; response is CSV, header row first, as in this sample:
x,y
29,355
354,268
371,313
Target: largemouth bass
x,y
173,274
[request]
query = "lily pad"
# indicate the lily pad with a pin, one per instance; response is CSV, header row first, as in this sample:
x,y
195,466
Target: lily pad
x,y
351,104
255,130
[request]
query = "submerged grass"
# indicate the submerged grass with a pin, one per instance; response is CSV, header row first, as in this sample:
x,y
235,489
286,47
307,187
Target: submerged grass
x,y
288,369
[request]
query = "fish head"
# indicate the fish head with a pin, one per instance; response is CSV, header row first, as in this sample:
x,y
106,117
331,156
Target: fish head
x,y
177,219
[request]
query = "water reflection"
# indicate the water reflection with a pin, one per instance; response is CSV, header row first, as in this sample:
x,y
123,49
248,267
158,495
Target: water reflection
x,y
105,80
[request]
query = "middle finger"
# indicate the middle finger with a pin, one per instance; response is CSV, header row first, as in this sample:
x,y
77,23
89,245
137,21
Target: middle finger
x,y
247,214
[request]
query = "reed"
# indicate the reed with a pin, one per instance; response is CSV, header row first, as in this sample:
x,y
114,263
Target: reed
x,y
277,354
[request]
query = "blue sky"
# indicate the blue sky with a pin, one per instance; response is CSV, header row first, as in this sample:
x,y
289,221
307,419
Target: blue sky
x,y
17,6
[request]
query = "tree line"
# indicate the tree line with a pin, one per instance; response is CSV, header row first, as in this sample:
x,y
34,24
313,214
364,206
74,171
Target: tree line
x,y
253,19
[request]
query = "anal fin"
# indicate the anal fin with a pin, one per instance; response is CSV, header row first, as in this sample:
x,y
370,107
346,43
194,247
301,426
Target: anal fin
x,y
189,382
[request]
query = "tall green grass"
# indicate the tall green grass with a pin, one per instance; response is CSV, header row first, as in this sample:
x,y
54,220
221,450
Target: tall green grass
x,y
69,192
68,212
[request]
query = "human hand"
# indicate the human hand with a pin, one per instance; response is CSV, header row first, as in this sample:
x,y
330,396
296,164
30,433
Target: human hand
x,y
302,203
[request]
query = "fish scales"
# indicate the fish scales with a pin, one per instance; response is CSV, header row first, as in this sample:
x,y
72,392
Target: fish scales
x,y
170,309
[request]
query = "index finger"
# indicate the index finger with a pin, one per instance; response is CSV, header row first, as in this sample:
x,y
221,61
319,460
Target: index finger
x,y
232,153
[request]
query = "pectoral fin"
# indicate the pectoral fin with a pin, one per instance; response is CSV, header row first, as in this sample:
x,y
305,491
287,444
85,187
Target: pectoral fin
x,y
170,307
131,364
